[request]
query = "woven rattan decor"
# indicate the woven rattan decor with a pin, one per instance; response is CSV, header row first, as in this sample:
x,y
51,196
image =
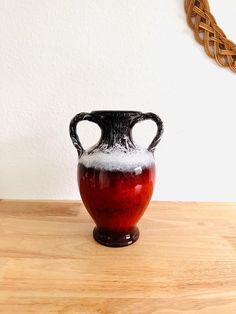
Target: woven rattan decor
x,y
209,34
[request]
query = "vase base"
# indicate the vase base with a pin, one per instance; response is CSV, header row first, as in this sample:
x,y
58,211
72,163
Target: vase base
x,y
116,238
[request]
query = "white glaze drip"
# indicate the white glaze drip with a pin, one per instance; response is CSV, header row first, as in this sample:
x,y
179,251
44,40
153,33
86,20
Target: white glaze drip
x,y
117,158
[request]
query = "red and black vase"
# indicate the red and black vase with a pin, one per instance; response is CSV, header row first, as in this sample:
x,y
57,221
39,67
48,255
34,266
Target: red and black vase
x,y
116,177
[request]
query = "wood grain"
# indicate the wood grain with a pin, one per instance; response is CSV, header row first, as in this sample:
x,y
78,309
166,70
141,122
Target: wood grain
x,y
184,261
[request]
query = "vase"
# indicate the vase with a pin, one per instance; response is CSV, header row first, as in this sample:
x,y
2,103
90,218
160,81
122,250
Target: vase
x,y
116,176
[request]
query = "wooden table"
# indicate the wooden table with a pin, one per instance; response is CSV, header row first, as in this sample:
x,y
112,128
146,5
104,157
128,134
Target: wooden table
x,y
184,261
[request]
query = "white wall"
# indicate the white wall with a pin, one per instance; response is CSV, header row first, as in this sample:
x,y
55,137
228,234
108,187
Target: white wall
x,y
58,58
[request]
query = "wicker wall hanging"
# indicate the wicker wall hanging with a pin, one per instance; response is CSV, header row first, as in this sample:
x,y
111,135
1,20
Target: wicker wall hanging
x,y
209,34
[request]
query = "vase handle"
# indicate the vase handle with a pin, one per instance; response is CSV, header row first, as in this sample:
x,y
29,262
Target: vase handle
x,y
73,125
159,123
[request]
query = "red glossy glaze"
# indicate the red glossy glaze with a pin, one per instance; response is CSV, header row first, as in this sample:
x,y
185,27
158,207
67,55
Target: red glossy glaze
x,y
116,200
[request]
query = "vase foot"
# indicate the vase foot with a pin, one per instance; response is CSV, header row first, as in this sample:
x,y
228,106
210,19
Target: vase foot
x,y
116,238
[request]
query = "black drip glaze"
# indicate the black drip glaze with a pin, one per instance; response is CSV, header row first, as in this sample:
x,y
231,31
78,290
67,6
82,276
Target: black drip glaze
x,y
116,127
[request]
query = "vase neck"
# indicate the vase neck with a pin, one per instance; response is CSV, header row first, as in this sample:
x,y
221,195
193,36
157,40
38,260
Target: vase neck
x,y
116,128
117,133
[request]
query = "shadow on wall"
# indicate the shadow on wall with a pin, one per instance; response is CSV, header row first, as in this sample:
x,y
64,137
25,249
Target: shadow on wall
x,y
28,168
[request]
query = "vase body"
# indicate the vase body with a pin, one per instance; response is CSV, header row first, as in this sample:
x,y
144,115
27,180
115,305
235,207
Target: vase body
x,y
116,177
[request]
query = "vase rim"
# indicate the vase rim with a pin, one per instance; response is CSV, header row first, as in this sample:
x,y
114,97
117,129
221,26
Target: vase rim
x,y
115,112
